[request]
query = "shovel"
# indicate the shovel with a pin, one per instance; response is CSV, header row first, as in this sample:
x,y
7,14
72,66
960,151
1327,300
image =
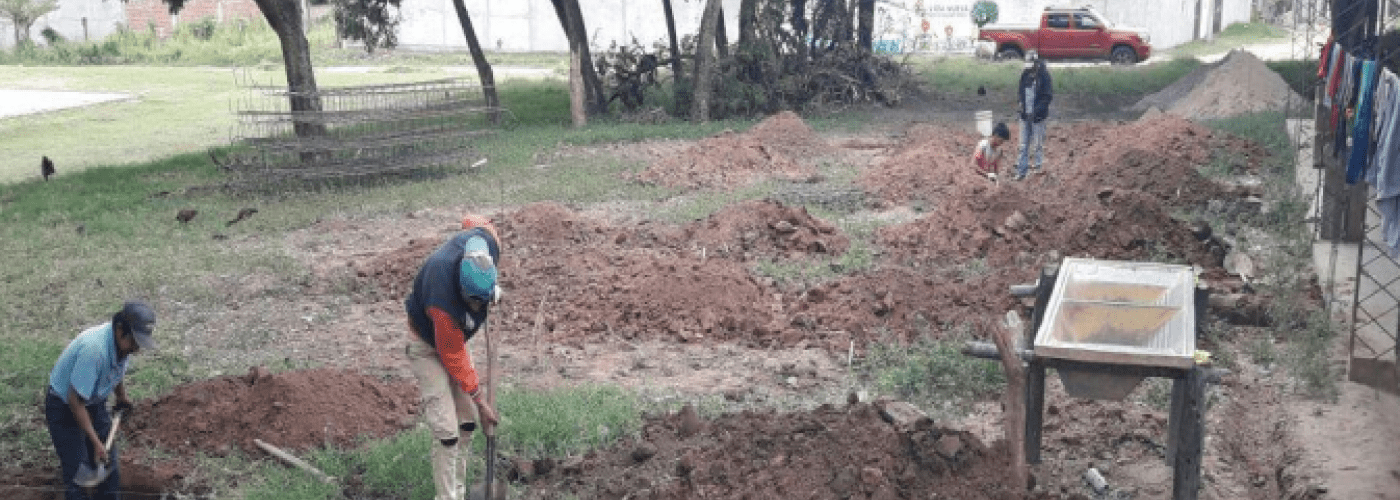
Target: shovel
x,y
87,475
488,488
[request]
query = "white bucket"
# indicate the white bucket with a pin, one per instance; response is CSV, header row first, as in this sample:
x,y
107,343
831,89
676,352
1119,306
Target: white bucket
x,y
984,123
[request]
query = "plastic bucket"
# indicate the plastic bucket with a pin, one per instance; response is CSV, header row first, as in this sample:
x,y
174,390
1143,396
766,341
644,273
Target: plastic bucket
x,y
984,122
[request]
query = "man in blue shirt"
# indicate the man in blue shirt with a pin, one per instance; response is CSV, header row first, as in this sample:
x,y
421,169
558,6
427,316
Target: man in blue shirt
x,y
90,369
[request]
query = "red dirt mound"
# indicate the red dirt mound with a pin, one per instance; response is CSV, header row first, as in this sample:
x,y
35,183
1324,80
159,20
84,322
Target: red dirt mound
x,y
782,146
1100,196
392,273
292,410
579,277
766,229
828,452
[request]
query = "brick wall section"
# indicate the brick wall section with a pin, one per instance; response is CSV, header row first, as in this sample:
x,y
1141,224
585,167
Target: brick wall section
x,y
140,14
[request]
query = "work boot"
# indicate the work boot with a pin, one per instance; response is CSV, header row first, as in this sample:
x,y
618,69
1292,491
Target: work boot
x,y
447,472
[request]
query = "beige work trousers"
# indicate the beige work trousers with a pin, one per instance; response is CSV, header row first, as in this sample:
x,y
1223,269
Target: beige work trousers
x,y
445,407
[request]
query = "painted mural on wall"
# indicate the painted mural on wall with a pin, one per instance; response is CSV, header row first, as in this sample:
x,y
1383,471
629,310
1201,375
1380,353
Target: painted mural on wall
x,y
937,26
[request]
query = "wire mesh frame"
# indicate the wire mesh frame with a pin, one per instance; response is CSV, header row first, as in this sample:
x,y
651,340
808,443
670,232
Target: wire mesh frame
x,y
1348,215
356,131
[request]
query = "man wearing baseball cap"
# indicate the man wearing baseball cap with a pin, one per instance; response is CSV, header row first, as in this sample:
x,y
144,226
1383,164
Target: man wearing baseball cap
x,y
451,296
90,369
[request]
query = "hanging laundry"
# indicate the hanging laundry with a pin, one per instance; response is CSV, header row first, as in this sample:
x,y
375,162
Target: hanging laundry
x,y
1361,126
1342,103
1384,174
1382,124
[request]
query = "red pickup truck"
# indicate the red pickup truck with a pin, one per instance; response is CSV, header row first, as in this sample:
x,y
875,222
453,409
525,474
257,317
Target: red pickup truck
x,y
1078,33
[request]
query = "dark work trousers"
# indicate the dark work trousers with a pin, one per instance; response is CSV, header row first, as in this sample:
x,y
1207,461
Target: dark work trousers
x,y
74,449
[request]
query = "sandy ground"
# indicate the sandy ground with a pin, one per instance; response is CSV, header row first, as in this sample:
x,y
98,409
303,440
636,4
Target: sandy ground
x,y
23,102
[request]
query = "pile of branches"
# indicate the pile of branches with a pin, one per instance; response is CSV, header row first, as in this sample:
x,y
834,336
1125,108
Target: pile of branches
x,y
778,64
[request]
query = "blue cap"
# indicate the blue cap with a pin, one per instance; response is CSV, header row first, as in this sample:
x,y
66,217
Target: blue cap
x,y
478,271
140,320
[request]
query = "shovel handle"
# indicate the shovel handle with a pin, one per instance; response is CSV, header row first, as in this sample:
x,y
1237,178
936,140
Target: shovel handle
x,y
112,433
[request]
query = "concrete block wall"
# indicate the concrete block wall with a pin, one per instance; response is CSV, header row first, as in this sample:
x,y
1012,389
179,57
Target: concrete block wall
x,y
145,14
76,20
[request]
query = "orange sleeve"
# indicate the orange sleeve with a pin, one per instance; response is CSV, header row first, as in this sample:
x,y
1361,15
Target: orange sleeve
x,y
452,350
475,220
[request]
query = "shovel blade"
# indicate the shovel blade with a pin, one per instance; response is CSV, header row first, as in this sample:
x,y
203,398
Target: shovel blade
x,y
89,476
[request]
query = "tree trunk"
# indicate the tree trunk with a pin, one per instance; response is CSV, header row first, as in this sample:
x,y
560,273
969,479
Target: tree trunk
x,y
576,91
681,98
799,27
483,67
285,19
721,35
704,67
748,17
574,29
675,47
866,34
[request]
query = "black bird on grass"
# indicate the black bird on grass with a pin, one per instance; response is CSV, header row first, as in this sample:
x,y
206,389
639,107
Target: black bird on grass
x,y
981,90
186,215
242,214
46,168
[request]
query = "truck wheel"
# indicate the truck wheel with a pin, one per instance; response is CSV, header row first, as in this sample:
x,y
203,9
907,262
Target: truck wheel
x,y
1009,53
1123,54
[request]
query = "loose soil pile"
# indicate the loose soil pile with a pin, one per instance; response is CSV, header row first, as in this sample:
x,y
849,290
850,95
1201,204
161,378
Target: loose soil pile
x,y
1101,195
292,410
782,146
829,452
1236,85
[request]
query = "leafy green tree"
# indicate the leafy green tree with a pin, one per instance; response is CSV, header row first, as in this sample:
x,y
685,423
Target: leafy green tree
x,y
369,21
23,14
984,12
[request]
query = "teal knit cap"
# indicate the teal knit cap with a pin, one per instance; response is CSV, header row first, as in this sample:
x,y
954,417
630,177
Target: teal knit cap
x,y
478,272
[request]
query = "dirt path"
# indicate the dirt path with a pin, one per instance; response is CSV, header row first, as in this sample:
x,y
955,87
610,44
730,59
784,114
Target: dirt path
x,y
1352,443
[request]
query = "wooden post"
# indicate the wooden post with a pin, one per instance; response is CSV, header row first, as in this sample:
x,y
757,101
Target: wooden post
x,y
1014,416
1190,438
1035,409
1035,375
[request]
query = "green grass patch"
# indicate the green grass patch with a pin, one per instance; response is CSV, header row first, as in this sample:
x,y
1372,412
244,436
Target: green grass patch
x,y
1308,332
556,423
931,371
1231,37
1301,76
1111,86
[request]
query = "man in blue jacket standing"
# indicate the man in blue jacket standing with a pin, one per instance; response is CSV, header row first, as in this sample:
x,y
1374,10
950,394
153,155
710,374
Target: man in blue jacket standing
x,y
90,369
1034,95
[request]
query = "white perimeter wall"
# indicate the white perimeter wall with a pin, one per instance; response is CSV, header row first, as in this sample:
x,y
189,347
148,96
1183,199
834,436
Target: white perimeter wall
x,y
103,18
532,25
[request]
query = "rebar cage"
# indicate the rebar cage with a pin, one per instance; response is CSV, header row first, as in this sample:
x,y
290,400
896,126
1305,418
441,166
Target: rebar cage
x,y
357,131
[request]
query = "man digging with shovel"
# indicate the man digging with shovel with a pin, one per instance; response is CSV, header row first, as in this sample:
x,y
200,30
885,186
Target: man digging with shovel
x,y
90,369
451,297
